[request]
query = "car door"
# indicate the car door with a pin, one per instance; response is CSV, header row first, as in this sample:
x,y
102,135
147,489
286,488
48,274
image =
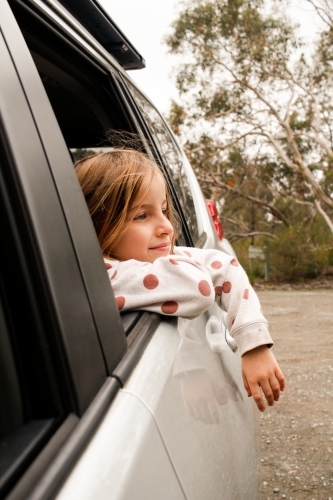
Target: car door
x,y
62,337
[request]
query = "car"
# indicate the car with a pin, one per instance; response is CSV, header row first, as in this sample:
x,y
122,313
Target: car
x,y
95,404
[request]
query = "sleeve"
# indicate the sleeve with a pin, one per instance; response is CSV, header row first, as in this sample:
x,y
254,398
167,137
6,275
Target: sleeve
x,y
173,285
235,295
187,284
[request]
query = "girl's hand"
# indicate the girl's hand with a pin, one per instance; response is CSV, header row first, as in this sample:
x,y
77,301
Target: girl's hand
x,y
262,374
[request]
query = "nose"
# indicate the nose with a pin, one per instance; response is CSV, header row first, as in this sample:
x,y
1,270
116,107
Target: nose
x,y
164,226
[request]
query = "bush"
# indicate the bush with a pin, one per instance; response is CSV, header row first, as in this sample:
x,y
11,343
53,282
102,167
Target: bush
x,y
302,251
296,255
292,259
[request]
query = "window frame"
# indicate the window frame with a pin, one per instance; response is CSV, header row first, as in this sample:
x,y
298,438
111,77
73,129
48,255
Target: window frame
x,y
100,296
59,242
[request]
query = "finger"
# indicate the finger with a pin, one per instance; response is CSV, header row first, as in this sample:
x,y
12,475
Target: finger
x,y
246,385
257,396
276,388
277,384
267,389
281,379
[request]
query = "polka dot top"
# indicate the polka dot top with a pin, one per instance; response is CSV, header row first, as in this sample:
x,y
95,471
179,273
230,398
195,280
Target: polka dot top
x,y
187,284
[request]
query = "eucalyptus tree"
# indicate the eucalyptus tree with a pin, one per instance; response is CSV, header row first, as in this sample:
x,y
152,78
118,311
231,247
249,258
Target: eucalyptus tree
x,y
256,112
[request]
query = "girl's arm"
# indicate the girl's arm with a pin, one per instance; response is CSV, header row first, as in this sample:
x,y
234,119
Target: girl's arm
x,y
186,284
234,294
246,323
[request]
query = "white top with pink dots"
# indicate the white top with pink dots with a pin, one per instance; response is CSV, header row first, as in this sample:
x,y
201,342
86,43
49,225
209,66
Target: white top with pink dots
x,y
187,284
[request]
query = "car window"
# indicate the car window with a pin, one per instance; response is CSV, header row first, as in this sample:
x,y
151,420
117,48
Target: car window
x,y
86,107
89,105
172,158
80,87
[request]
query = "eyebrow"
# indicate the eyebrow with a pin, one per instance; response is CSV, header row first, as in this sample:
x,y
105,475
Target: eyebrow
x,y
144,206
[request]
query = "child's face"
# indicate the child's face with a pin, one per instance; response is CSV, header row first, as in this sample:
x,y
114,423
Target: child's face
x,y
149,232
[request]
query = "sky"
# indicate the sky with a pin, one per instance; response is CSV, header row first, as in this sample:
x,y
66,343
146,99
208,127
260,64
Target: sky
x,y
146,22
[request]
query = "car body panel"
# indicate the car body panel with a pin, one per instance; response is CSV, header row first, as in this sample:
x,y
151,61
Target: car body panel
x,y
213,452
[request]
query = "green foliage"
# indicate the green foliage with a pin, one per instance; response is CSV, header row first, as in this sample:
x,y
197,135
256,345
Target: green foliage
x,y
177,117
294,257
233,34
301,251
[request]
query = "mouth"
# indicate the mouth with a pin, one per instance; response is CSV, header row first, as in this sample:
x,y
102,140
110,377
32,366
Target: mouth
x,y
161,247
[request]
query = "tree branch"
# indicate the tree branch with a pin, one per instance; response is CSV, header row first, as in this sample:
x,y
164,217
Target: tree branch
x,y
297,164
321,142
324,215
322,13
215,182
252,234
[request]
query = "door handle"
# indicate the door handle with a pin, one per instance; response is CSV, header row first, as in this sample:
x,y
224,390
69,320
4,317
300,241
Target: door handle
x,y
218,336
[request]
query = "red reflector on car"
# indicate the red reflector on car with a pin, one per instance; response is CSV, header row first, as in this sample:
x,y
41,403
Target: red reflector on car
x,y
212,209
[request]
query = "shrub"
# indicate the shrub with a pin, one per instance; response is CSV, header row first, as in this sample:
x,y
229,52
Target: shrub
x,y
297,254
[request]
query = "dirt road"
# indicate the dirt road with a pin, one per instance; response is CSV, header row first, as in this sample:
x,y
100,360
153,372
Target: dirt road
x,y
297,433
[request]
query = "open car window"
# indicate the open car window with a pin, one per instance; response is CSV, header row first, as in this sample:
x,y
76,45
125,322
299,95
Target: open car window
x,y
172,159
89,106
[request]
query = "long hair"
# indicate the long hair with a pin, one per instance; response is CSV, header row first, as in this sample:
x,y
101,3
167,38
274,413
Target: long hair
x,y
111,182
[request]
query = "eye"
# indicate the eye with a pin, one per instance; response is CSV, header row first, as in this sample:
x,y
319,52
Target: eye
x,y
140,216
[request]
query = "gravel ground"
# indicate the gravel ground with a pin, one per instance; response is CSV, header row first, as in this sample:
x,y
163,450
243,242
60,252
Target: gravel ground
x,y
297,433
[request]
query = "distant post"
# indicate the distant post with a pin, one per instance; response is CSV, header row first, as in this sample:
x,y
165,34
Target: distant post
x,y
261,254
266,263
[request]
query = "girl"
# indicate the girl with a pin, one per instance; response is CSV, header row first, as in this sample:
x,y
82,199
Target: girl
x,y
135,223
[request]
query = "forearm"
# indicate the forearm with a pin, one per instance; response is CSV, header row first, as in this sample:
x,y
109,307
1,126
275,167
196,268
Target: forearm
x,y
174,285
235,295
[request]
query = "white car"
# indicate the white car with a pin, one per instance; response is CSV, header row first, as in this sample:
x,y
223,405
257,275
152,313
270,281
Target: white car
x,y
95,405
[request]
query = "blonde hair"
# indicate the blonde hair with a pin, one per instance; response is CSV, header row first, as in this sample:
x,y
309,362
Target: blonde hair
x,y
111,182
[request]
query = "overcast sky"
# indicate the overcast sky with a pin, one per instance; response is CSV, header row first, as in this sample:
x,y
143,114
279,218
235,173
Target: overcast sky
x,y
145,23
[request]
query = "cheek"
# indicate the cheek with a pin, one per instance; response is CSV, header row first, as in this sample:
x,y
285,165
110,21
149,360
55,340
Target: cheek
x,y
135,238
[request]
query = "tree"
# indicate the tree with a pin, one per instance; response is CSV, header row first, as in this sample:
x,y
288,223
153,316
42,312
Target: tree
x,y
256,114
324,9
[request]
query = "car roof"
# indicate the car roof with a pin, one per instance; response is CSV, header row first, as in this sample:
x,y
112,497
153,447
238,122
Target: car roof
x,y
100,25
